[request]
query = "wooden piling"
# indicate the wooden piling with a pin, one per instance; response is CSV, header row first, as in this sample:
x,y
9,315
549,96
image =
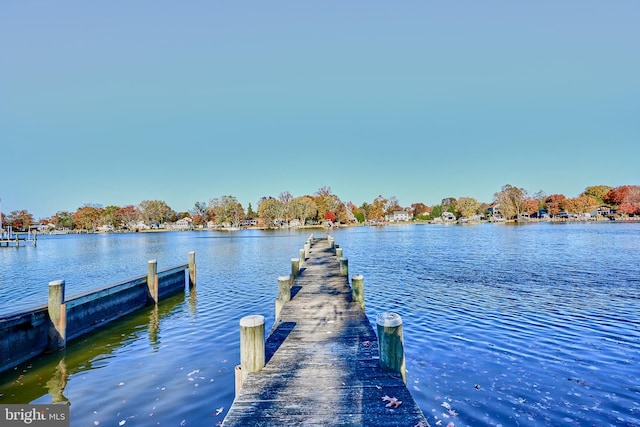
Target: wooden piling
x,y
152,280
295,267
284,293
357,289
302,256
252,350
344,267
192,269
339,252
391,343
58,315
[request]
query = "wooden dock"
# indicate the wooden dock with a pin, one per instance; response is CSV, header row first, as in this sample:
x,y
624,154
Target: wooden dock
x,y
322,360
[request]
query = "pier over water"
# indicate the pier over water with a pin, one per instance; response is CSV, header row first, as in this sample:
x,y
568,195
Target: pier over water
x,y
322,359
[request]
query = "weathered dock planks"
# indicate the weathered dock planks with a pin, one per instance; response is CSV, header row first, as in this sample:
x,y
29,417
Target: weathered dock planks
x,y
322,361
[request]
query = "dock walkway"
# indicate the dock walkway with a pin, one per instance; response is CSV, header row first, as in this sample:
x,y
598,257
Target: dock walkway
x,y
322,361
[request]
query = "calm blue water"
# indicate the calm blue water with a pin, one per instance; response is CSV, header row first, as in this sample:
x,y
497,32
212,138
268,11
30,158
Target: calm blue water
x,y
504,325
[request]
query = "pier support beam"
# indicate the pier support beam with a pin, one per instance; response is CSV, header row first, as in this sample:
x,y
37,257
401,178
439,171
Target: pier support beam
x,y
284,293
391,343
58,315
339,252
295,267
192,270
357,289
252,353
344,267
152,280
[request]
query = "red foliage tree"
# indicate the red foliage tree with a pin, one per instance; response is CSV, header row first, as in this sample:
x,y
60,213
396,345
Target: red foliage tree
x,y
330,216
555,203
626,198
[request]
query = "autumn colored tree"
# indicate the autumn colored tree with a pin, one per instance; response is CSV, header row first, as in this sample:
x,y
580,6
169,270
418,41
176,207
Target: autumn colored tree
x,y
343,213
466,207
128,216
392,206
152,211
88,217
269,210
626,198
303,208
285,198
364,210
581,204
420,210
329,216
109,216
63,219
449,204
597,192
377,208
326,201
226,209
511,201
555,203
19,219
199,213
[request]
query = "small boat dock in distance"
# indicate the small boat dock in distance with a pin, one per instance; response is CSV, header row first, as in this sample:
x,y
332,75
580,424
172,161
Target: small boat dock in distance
x,y
322,360
10,238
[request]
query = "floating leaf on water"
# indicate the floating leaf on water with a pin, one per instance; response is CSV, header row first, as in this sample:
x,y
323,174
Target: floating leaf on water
x,y
122,422
219,410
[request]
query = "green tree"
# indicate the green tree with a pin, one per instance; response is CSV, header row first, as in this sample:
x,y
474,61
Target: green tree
x,y
436,212
250,212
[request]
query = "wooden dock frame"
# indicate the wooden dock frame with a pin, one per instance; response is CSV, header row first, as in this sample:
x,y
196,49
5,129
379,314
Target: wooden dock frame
x,y
322,364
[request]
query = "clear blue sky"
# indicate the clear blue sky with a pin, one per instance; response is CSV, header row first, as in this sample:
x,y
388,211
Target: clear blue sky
x,y
117,102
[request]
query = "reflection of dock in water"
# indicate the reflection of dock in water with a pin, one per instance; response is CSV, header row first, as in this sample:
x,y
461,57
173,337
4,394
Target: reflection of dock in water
x,y
48,373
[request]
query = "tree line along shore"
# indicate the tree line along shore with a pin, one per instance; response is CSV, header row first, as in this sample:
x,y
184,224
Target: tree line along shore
x,y
326,208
